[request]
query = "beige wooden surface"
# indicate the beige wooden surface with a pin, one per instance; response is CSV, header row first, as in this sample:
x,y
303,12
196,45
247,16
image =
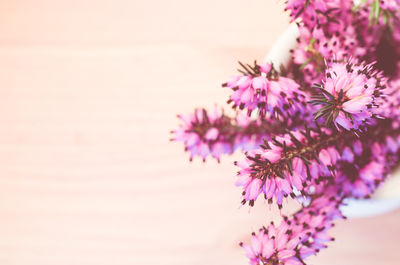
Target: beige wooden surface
x,y
89,91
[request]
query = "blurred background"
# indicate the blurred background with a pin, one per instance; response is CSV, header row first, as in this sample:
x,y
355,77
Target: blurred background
x,y
89,91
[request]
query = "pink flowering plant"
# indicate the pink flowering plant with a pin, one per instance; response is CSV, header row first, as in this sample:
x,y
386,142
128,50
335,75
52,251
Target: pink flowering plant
x,y
323,129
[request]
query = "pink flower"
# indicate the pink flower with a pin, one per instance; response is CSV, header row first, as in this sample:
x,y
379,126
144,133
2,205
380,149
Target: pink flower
x,y
262,89
362,170
347,151
349,95
315,12
298,237
272,245
212,133
278,168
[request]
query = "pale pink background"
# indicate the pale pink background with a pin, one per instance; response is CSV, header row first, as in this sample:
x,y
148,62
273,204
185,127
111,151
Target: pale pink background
x,y
89,91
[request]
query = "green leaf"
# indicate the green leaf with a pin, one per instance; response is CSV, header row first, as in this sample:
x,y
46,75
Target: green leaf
x,y
377,10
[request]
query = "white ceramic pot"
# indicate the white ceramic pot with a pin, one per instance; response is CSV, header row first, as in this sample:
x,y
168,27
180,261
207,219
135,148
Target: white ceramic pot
x,y
387,197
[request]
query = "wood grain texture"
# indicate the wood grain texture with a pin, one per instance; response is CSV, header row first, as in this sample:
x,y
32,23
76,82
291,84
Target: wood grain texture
x,y
89,91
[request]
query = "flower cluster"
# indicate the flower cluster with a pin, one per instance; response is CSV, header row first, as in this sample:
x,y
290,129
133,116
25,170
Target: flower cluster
x,y
315,12
213,133
288,165
381,12
319,131
349,94
366,163
297,237
260,87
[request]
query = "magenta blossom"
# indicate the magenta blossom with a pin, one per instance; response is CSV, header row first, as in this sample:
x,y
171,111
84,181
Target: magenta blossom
x,y
349,95
273,245
364,167
319,44
380,12
261,88
296,238
285,166
323,129
213,133
316,12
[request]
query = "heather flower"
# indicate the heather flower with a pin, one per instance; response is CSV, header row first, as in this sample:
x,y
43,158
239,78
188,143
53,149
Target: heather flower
x,y
347,151
390,105
273,245
213,133
297,237
379,12
261,88
359,175
366,162
320,44
200,132
315,12
287,164
348,95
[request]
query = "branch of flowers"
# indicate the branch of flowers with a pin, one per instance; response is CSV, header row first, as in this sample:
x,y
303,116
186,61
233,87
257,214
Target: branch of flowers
x,y
299,236
306,151
214,133
290,162
261,88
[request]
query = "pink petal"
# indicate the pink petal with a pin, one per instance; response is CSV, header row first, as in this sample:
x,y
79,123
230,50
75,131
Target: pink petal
x,y
292,243
272,230
212,134
325,157
281,242
265,68
298,165
334,154
272,100
343,121
243,180
272,155
285,186
306,252
356,105
285,254
348,155
355,91
249,251
293,261
268,249
275,87
256,244
260,83
296,181
253,189
244,82
247,96
341,83
192,139
270,186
